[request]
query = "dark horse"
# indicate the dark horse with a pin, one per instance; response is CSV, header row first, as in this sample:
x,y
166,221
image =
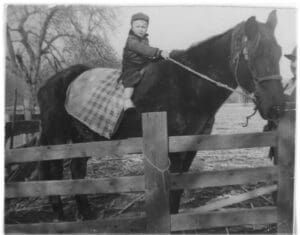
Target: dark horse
x,y
246,55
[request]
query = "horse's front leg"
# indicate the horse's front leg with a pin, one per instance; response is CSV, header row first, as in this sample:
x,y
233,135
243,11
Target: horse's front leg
x,y
78,171
53,170
180,162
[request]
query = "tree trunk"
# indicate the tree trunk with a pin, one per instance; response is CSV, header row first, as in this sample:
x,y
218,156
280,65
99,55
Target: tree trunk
x,y
28,104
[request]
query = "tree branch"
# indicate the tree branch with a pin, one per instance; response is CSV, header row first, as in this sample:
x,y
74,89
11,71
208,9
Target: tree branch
x,y
50,43
10,47
50,63
43,32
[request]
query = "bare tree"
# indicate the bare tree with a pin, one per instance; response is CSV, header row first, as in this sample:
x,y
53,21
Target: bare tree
x,y
91,44
42,40
27,45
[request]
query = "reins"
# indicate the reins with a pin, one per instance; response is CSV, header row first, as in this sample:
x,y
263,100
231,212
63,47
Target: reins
x,y
237,49
219,84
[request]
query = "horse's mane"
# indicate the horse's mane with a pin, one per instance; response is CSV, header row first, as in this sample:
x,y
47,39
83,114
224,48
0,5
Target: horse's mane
x,y
198,49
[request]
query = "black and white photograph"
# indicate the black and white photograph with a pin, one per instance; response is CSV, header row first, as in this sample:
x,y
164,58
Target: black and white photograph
x,y
149,118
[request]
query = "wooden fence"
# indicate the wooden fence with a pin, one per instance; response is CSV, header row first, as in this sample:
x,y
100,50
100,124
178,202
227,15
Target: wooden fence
x,y
157,181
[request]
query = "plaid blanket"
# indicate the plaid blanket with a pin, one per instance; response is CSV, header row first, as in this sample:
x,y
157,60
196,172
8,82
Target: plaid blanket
x,y
95,98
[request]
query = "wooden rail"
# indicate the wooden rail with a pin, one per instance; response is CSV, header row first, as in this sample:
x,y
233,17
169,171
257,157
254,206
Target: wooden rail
x,y
54,152
157,181
179,222
21,127
116,225
137,183
228,217
134,145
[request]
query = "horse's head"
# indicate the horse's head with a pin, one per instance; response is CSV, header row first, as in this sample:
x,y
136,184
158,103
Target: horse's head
x,y
257,68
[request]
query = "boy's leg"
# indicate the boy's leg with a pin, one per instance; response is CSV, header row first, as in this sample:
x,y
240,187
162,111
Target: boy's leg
x,y
128,91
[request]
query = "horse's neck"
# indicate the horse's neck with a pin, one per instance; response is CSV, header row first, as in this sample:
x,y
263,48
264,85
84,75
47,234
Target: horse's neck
x,y
213,58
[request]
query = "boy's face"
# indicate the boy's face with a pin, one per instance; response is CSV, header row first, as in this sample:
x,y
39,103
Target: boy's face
x,y
139,27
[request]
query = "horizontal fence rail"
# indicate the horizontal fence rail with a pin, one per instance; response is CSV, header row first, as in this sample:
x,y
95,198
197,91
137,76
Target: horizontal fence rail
x,y
117,225
137,183
179,222
134,145
228,217
220,142
21,117
66,151
206,179
21,127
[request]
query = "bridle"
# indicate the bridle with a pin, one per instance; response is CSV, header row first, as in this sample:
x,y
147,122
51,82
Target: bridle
x,y
244,51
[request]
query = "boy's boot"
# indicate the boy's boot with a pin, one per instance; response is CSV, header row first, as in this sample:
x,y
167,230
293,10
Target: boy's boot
x,y
127,98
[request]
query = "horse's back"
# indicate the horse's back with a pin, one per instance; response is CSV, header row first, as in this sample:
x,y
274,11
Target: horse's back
x,y
54,89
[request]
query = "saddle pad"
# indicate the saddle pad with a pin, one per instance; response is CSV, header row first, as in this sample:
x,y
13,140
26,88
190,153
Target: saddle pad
x,y
95,98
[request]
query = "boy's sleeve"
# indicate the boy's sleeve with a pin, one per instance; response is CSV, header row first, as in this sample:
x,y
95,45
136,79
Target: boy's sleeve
x,y
141,48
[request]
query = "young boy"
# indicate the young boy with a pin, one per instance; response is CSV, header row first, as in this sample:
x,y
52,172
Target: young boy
x,y
136,55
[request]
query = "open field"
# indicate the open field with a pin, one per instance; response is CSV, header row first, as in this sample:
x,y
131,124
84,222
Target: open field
x,y
229,120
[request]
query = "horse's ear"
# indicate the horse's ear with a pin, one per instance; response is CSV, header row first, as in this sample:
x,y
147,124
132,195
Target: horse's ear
x,y
251,28
272,20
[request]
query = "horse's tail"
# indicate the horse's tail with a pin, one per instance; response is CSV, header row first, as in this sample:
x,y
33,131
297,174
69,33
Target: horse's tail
x,y
55,121
55,87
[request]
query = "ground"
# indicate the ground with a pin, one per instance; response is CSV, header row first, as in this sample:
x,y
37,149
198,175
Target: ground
x,y
229,120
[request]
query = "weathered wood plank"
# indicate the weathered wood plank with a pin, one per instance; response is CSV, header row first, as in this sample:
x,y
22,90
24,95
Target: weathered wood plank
x,y
234,199
136,183
286,166
116,225
71,187
219,142
229,217
224,177
290,105
21,127
21,117
156,161
99,148
134,145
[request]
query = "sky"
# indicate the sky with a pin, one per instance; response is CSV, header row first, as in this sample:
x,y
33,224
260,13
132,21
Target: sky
x,y
178,27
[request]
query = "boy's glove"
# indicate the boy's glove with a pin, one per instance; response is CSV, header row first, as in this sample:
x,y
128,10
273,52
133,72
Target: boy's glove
x,y
164,54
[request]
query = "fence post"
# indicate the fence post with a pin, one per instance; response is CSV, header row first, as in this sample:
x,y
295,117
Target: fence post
x,y
156,162
286,160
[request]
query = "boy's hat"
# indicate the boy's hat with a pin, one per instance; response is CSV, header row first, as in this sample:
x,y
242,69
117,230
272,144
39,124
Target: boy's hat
x,y
140,16
292,56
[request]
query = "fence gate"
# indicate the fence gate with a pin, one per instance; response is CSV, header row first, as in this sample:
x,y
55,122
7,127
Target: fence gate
x,y
157,181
